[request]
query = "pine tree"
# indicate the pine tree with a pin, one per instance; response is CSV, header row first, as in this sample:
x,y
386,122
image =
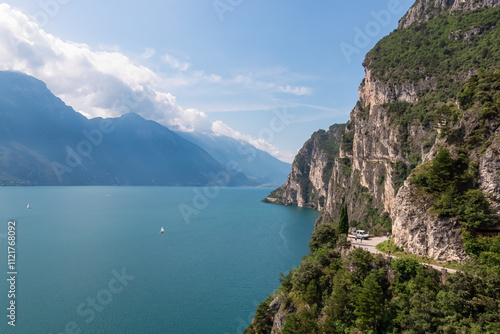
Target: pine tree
x,y
344,220
369,302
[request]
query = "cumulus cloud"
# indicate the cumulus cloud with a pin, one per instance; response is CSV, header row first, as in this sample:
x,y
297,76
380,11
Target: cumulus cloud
x,y
105,82
96,83
299,91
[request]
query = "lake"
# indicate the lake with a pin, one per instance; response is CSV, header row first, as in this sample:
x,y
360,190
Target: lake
x,y
92,260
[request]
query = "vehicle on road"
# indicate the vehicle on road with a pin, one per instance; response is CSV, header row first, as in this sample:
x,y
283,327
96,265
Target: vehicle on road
x,y
358,234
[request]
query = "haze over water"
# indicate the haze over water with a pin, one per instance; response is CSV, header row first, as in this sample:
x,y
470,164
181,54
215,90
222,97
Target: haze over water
x,y
92,258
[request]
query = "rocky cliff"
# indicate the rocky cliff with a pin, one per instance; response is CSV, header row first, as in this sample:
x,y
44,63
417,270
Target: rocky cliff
x,y
426,10
307,184
399,123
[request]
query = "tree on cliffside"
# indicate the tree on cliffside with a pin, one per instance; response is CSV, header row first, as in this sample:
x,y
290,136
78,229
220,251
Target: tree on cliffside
x,y
344,220
369,302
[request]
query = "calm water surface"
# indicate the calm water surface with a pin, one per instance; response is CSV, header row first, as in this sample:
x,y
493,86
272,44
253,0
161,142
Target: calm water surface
x,y
92,260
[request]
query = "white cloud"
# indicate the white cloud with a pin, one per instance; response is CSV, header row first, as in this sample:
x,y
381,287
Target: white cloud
x,y
299,91
220,128
148,53
96,83
176,63
110,48
273,80
107,83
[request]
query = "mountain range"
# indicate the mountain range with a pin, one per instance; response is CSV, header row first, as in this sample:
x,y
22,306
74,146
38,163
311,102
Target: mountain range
x,y
259,166
45,142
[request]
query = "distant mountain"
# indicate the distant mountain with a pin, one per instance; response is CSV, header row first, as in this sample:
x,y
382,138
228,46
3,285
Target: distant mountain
x,y
259,166
45,142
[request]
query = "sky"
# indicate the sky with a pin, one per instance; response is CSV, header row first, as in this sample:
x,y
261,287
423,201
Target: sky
x,y
269,72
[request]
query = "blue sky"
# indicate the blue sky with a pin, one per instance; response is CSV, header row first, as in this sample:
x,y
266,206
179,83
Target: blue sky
x,y
236,61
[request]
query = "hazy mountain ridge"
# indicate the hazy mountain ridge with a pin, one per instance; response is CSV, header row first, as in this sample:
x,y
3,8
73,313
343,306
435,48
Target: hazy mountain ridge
x,y
45,142
259,166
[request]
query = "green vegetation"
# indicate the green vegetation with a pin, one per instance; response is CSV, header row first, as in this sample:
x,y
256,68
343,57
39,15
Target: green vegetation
x,y
263,322
401,172
439,49
387,245
358,292
381,180
450,183
325,235
372,220
338,289
434,55
347,142
328,144
344,220
481,99
364,293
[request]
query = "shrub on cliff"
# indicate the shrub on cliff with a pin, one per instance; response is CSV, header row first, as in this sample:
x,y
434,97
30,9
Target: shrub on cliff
x,y
344,220
325,235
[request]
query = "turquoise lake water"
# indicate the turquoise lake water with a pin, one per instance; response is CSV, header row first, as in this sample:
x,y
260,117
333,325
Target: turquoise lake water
x,y
92,260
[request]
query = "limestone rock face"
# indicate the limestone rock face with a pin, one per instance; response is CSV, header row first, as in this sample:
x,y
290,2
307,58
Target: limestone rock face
x,y
370,167
489,172
377,151
373,92
279,320
418,231
280,314
425,10
307,184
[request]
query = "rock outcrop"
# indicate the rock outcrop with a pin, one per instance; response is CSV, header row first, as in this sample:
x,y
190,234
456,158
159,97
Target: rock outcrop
x,y
489,172
426,10
280,314
307,184
381,145
418,231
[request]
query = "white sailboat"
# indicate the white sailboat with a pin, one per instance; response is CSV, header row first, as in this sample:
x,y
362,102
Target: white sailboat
x,y
28,207
162,230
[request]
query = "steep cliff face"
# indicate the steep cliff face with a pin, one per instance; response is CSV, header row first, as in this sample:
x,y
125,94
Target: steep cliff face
x,y
419,225
307,184
418,231
426,10
399,123
489,175
421,155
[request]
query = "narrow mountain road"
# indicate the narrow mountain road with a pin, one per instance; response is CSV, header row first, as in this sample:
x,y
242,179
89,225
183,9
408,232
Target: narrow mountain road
x,y
370,244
